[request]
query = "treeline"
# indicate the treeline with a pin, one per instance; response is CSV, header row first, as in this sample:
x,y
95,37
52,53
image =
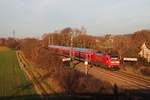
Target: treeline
x,y
10,42
127,45
63,37
80,39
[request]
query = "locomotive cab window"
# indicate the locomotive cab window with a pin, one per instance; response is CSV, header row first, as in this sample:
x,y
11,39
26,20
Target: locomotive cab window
x,y
114,57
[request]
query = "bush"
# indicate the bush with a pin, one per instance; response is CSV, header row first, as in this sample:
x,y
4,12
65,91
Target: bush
x,y
143,61
73,81
145,71
70,80
12,43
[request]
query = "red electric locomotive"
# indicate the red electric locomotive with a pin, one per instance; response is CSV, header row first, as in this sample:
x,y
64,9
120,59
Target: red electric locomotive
x,y
91,55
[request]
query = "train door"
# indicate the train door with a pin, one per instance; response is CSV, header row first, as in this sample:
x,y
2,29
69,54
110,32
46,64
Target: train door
x,y
88,56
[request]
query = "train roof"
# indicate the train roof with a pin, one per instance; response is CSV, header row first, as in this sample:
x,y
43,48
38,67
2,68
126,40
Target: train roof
x,y
74,48
83,49
55,46
78,49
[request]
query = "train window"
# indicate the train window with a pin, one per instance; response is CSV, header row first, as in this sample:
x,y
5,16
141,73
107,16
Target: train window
x,y
99,51
99,54
81,52
114,57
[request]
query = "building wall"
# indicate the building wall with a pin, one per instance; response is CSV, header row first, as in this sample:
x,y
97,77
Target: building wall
x,y
145,52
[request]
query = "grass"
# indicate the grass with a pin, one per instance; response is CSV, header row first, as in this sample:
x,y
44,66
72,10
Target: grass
x,y
12,79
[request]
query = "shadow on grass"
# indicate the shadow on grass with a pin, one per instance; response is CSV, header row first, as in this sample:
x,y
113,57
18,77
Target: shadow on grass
x,y
28,85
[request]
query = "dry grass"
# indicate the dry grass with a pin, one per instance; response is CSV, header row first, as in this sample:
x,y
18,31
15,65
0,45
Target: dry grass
x,y
2,48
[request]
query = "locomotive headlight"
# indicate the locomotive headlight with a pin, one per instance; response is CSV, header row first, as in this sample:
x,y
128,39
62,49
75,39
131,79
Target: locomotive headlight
x,y
117,62
114,62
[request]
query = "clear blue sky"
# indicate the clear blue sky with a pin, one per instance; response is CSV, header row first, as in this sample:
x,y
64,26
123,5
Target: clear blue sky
x,y
34,17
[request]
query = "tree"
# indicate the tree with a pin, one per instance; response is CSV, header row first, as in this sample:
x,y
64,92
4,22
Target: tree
x,y
28,46
13,43
122,44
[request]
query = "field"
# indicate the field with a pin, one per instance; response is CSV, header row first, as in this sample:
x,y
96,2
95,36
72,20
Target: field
x,y
12,79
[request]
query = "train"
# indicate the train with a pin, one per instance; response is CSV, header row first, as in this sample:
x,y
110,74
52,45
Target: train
x,y
92,56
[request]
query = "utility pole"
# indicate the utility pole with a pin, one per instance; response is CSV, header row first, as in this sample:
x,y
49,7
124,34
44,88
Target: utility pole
x,y
50,40
86,64
110,42
71,49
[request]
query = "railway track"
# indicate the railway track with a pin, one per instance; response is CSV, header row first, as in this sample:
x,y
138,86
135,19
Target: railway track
x,y
128,81
134,76
122,79
139,83
146,80
119,79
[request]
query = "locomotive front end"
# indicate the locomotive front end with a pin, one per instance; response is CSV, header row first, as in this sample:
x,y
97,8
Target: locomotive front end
x,y
114,62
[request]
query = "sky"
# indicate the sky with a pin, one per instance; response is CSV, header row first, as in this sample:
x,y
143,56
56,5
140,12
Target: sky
x,y
99,17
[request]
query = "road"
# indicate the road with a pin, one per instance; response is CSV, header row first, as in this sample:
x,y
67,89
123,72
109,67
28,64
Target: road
x,y
122,79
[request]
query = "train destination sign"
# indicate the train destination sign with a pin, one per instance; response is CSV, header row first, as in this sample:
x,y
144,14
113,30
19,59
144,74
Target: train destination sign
x,y
66,59
130,59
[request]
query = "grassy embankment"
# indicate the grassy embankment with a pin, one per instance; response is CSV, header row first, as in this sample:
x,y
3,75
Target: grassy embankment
x,y
12,79
48,87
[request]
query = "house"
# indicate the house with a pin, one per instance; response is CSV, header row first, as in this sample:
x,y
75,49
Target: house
x,y
145,51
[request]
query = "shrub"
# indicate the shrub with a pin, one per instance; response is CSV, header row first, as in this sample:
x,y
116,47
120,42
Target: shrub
x,y
145,71
71,80
143,61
